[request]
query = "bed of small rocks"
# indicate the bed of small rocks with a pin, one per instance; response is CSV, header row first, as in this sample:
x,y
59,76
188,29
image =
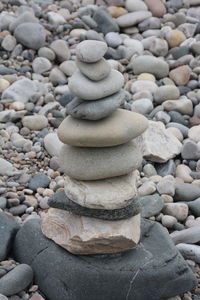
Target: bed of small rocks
x,y
155,44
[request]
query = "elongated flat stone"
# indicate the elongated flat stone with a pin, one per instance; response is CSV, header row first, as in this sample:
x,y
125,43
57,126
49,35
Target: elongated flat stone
x,y
87,89
61,201
94,71
110,193
96,110
119,128
99,163
83,235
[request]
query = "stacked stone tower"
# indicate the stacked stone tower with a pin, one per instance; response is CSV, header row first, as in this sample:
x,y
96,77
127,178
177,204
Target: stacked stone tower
x,y
98,212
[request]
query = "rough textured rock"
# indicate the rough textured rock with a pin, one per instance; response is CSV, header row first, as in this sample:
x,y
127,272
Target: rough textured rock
x,y
61,201
21,90
110,193
114,161
96,110
106,276
118,128
8,230
87,89
164,146
83,235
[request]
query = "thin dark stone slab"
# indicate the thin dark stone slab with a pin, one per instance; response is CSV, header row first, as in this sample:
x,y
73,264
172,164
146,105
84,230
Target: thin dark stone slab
x,y
61,201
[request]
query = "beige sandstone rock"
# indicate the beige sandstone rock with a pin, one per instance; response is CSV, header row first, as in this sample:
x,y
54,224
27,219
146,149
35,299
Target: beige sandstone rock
x,y
83,235
110,193
183,172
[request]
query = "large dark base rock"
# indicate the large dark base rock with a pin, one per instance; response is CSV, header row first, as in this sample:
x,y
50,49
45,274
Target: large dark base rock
x,y
8,229
61,201
154,270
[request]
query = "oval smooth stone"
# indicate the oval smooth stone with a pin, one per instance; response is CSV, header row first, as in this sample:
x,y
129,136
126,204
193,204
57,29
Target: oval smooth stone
x,y
99,163
94,71
91,51
133,18
97,109
87,89
150,64
119,128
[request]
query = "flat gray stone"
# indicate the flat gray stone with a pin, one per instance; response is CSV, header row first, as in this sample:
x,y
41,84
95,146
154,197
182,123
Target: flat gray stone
x,y
118,128
97,109
87,89
61,201
79,162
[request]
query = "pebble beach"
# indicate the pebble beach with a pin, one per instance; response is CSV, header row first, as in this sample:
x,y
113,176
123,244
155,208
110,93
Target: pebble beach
x,y
91,60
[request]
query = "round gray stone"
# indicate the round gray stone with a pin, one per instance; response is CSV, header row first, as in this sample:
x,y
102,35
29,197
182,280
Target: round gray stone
x,y
90,51
30,35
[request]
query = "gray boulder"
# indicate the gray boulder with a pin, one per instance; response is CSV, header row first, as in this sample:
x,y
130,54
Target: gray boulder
x,y
135,274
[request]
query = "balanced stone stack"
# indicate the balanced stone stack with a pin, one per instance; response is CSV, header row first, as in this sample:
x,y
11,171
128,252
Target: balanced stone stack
x,y
98,212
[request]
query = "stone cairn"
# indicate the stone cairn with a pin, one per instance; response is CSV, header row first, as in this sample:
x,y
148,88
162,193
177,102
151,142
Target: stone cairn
x,y
98,212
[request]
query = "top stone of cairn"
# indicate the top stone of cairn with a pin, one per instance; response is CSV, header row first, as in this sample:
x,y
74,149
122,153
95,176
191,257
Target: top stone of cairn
x,y
90,51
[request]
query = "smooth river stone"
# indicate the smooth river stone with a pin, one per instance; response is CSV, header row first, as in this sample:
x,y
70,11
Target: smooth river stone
x,y
150,64
133,18
87,89
83,235
110,193
91,51
61,201
99,163
119,128
94,71
97,109
166,92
